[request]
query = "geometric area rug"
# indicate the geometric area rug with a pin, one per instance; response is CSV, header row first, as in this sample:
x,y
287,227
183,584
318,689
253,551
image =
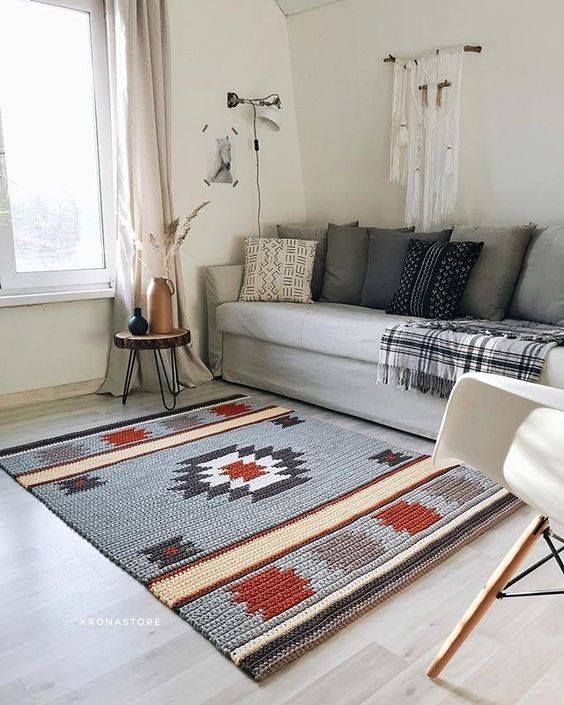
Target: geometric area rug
x,y
265,529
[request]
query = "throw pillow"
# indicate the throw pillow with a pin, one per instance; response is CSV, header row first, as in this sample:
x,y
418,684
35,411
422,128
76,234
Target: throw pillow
x,y
386,254
493,279
278,270
539,294
319,235
345,264
433,278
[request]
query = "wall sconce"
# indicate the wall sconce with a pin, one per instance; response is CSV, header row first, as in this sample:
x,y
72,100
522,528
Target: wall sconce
x,y
273,99
266,111
269,117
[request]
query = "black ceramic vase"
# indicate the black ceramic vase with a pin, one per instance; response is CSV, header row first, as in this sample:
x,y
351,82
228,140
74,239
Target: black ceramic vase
x,y
137,324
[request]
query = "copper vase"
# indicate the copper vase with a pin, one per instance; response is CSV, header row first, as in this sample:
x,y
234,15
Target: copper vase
x,y
159,305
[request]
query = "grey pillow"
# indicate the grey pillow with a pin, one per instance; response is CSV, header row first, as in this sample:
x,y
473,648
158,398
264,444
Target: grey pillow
x,y
319,234
345,264
493,278
386,255
539,294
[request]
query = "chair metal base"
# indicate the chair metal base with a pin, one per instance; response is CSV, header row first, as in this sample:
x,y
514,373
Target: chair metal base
x,y
554,554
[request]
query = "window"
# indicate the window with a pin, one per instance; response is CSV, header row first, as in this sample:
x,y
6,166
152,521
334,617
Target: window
x,y
55,158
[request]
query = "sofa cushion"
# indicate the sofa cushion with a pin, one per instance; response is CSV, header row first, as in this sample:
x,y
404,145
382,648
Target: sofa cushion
x,y
539,294
433,278
319,235
493,277
386,254
332,329
345,264
277,270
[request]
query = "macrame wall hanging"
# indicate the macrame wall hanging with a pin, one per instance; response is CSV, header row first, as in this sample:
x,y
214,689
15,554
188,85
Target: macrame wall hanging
x,y
425,133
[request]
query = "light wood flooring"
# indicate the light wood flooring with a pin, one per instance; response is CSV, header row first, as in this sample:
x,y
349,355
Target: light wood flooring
x,y
50,579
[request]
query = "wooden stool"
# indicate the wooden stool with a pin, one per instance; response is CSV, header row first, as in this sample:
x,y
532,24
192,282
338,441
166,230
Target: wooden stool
x,y
156,343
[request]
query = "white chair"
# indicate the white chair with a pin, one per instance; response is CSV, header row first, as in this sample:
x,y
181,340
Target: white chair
x,y
513,432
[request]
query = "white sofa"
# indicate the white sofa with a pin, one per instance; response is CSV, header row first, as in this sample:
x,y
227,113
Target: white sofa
x,y
321,353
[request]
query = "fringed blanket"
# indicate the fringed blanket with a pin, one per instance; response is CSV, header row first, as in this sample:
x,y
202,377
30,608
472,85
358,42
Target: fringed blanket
x,y
430,356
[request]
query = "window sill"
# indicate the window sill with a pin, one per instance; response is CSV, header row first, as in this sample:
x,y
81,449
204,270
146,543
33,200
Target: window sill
x,y
32,299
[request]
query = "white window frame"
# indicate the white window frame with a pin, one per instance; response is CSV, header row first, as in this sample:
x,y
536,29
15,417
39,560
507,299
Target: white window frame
x,y
13,283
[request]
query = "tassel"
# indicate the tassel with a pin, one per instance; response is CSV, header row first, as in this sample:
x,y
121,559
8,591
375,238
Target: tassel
x,y
425,96
403,134
414,380
415,209
395,162
449,160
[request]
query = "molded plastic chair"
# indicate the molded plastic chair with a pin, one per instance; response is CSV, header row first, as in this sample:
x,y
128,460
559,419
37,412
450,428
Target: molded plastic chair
x,y
513,432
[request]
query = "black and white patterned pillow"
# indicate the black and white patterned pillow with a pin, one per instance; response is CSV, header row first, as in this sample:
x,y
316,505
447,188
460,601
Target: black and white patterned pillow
x,y
433,278
278,270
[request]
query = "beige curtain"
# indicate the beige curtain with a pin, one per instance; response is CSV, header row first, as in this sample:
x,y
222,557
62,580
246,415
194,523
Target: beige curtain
x,y
138,50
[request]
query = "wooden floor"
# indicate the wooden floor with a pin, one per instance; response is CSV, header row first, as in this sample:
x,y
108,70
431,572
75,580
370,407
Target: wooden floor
x,y
51,579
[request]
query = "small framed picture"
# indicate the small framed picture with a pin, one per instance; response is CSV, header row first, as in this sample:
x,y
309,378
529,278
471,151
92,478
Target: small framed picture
x,y
220,166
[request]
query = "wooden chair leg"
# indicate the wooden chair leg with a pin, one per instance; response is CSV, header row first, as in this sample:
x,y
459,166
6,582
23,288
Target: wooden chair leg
x,y
486,597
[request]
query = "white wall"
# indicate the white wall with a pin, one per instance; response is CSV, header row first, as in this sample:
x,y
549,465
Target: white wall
x,y
54,344
220,46
512,140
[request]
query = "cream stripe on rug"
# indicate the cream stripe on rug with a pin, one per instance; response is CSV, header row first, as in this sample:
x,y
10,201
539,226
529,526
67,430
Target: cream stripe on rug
x,y
95,462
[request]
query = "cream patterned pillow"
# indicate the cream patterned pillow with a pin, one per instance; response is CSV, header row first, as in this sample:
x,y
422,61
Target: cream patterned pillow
x,y
278,270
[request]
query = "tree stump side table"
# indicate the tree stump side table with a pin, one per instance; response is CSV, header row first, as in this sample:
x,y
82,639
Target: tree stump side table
x,y
168,341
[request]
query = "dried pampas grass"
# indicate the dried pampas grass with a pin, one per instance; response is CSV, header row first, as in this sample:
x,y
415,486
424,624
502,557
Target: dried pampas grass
x,y
168,245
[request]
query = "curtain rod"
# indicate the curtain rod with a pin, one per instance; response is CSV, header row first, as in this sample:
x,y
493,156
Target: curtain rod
x,y
390,59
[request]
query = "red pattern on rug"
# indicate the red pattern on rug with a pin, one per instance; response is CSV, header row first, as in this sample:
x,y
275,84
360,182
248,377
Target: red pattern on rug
x,y
246,471
408,517
272,592
126,435
170,551
231,409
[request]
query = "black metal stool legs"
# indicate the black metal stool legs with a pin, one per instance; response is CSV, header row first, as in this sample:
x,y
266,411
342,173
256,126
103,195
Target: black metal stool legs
x,y
156,342
128,375
173,384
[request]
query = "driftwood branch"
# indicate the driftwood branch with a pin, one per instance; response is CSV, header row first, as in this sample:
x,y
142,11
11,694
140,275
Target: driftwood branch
x,y
470,48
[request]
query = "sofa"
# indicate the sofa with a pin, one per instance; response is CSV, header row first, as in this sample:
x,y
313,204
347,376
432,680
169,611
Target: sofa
x,y
326,353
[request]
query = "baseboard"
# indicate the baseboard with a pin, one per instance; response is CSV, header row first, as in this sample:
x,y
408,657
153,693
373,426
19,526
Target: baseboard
x,y
62,391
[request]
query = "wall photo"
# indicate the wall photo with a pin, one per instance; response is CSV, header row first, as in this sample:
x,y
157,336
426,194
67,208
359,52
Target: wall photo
x,y
220,161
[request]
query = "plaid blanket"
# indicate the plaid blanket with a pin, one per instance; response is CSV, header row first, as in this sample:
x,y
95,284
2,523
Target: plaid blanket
x,y
431,355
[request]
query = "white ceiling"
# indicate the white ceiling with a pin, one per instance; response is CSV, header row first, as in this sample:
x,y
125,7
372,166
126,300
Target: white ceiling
x,y
292,7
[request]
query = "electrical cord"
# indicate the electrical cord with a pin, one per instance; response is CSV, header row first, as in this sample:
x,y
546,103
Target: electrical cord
x,y
257,161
